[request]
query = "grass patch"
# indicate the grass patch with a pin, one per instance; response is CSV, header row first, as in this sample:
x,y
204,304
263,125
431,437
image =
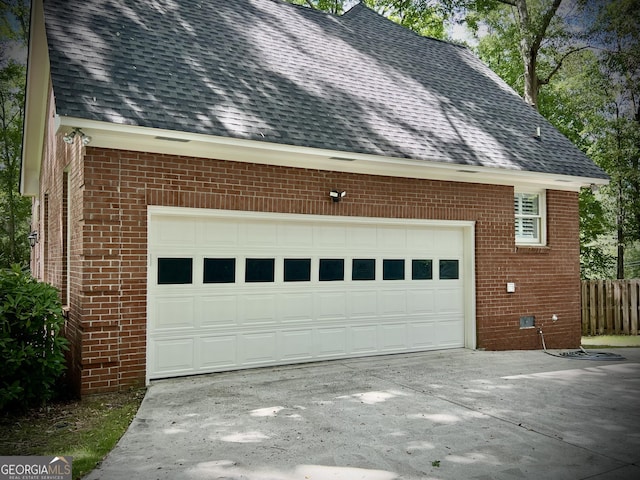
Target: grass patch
x,y
86,429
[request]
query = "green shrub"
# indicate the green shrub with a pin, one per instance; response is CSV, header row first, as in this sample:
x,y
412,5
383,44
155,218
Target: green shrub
x,y
31,346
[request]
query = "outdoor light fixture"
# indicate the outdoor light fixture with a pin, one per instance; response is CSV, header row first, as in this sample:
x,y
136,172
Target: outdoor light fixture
x,y
70,137
33,238
337,195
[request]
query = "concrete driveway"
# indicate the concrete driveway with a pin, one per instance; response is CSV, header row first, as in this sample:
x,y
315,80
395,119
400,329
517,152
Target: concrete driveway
x,y
455,414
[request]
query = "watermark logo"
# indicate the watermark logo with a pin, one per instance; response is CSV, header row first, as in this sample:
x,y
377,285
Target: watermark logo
x,y
35,468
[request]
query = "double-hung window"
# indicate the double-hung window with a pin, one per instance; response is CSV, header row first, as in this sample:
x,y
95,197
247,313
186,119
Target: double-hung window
x,y
529,210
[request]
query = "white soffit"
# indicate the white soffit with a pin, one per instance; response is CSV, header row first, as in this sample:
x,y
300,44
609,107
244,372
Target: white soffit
x,y
144,139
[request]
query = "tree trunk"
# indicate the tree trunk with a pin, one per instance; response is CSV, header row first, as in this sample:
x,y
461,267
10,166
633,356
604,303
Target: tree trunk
x,y
531,84
531,35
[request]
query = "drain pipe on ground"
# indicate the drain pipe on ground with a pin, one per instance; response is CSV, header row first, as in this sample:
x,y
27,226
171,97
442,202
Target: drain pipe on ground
x,y
581,354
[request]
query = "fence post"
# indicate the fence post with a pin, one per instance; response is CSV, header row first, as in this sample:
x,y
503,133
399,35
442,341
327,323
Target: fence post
x,y
633,308
593,312
584,293
616,308
625,307
609,309
601,318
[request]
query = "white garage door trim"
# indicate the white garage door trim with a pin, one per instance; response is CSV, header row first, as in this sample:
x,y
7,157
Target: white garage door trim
x,y
167,299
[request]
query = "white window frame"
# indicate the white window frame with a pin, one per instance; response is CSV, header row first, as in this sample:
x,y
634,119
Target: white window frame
x,y
540,218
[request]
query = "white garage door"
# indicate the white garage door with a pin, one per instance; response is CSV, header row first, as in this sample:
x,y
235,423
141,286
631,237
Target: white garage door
x,y
231,290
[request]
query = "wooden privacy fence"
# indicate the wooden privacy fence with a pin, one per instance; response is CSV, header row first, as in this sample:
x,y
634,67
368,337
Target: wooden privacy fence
x,y
610,307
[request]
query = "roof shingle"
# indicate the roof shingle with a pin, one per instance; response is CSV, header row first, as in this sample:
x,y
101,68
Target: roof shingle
x,y
270,71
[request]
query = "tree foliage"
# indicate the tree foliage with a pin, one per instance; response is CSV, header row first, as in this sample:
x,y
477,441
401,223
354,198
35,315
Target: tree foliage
x,y
538,38
425,17
14,209
615,129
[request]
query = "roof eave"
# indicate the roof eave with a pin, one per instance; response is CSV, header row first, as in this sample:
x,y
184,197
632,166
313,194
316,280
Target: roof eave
x,y
135,138
37,92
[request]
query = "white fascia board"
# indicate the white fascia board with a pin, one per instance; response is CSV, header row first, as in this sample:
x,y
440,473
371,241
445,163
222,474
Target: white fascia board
x,y
144,139
37,93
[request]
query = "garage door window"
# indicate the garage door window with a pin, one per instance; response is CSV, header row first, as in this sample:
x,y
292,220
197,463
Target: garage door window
x,y
259,270
331,270
363,269
219,270
175,271
393,269
297,269
421,269
449,270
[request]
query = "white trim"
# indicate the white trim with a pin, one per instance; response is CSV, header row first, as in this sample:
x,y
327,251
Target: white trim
x,y
153,140
36,97
468,263
298,217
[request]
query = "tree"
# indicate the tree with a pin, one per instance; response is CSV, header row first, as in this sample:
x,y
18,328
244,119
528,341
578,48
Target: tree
x,y
14,20
14,209
616,144
542,38
425,17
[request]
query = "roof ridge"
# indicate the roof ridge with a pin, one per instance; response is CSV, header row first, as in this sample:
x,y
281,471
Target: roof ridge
x,y
360,6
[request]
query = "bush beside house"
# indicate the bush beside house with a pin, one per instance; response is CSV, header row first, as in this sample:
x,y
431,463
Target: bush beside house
x,y
31,346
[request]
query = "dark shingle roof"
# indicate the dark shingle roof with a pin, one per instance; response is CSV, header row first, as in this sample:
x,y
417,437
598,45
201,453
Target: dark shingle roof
x,y
270,71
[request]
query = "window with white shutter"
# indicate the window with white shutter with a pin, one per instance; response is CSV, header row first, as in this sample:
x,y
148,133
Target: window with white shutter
x,y
529,218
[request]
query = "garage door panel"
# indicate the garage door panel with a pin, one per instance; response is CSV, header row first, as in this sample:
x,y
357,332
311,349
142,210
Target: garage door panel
x,y
362,238
392,239
217,352
449,331
295,307
393,337
174,231
174,355
330,236
257,309
421,302
173,313
296,345
219,234
363,304
447,240
295,236
393,302
422,335
450,300
258,348
331,305
217,311
364,339
418,238
332,342
223,317
260,234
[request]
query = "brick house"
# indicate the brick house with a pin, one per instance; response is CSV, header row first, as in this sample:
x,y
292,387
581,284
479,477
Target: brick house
x,y
225,185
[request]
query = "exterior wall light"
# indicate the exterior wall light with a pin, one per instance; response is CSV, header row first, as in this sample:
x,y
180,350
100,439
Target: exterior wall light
x,y
70,137
337,195
33,238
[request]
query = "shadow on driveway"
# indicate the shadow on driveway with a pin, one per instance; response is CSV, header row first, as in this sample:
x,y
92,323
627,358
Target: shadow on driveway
x,y
455,414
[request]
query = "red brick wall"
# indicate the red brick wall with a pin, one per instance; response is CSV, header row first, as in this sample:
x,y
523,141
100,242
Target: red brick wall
x,y
118,186
53,253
